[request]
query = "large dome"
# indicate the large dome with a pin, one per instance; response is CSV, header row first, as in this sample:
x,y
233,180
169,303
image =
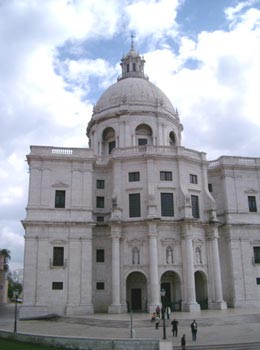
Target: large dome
x,y
136,93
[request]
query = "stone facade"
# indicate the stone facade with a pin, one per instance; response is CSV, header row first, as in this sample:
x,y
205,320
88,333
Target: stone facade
x,y
3,279
109,226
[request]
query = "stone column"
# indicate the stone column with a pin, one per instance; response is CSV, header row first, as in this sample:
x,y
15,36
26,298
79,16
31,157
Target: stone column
x,y
154,276
116,306
80,272
217,302
189,303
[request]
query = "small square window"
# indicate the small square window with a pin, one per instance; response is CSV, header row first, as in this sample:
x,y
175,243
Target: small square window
x,y
100,218
59,199
58,256
210,187
165,175
100,202
258,281
100,286
252,204
100,184
134,176
57,285
193,179
100,255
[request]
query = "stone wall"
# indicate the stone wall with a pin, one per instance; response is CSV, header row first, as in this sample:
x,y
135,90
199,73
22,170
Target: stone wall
x,y
86,343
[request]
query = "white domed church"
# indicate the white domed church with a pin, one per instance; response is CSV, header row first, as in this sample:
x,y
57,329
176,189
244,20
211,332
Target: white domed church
x,y
109,226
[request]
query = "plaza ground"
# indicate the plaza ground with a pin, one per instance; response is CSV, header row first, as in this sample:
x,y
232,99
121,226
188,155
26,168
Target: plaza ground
x,y
231,326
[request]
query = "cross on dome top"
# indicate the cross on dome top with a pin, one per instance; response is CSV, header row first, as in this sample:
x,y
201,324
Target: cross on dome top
x,y
132,64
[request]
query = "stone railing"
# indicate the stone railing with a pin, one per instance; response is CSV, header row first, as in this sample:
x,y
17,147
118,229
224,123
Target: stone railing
x,y
60,152
234,161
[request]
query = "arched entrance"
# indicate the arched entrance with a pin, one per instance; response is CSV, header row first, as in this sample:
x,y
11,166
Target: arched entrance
x,y
201,288
171,283
136,292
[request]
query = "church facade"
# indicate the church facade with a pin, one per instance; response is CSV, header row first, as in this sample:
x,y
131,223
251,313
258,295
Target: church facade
x,y
110,226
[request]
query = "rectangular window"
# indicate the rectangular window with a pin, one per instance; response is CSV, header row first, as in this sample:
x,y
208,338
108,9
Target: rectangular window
x,y
258,281
195,206
257,255
59,199
100,184
100,202
165,175
58,256
142,142
167,208
100,255
134,205
134,176
252,204
134,67
210,187
111,146
100,218
100,286
57,285
193,179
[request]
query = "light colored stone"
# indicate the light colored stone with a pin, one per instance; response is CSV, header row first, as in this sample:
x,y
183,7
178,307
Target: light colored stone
x,y
210,256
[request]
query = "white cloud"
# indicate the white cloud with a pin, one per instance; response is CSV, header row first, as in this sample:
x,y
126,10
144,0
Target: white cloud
x,y
156,18
219,97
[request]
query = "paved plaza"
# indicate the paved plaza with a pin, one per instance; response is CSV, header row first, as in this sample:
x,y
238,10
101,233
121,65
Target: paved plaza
x,y
232,326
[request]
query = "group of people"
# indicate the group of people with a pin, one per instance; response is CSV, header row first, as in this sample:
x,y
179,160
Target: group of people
x,y
156,318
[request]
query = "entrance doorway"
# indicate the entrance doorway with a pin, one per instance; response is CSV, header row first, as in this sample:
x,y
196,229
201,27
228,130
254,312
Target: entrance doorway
x,y
201,289
171,283
136,299
136,292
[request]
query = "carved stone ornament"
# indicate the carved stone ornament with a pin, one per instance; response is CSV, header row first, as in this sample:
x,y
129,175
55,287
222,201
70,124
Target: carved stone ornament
x,y
60,184
251,191
168,241
135,242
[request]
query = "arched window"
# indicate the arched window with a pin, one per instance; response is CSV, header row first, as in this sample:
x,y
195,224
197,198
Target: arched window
x,y
109,140
135,256
144,135
172,139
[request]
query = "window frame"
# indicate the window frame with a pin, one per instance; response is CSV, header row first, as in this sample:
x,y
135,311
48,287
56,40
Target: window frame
x,y
165,175
195,207
100,202
194,179
256,251
57,285
134,200
58,256
60,199
100,283
133,176
100,255
166,210
252,207
100,184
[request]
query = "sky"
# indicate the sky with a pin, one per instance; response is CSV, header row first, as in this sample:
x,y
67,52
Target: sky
x,y
58,56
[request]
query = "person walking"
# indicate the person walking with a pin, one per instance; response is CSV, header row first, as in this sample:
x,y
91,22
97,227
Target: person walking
x,y
157,321
183,342
158,310
174,324
194,328
168,312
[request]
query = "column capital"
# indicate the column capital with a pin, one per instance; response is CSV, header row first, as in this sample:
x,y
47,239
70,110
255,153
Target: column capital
x,y
212,233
